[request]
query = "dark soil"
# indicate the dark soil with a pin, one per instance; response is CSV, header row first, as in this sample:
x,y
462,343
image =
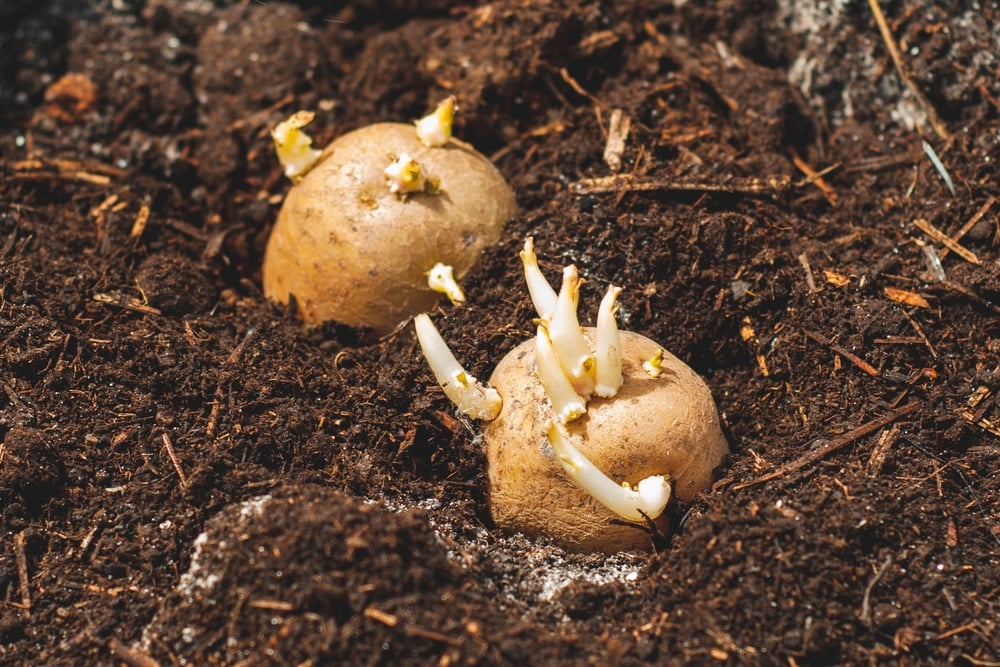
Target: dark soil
x,y
189,477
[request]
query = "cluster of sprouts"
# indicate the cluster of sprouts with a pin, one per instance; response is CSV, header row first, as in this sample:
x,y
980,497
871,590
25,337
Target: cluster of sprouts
x,y
571,374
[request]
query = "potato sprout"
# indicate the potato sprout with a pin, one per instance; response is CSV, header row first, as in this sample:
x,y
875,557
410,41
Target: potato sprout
x,y
370,216
441,278
434,129
293,146
405,176
469,395
647,501
592,428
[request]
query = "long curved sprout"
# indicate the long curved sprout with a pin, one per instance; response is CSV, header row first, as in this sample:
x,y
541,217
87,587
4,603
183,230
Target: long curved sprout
x,y
471,397
646,501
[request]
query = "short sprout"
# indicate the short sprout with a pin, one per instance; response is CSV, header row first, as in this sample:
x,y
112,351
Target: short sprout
x,y
293,146
645,502
441,278
434,129
405,176
654,365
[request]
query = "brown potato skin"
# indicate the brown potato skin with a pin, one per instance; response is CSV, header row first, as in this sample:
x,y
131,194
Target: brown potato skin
x,y
667,425
351,251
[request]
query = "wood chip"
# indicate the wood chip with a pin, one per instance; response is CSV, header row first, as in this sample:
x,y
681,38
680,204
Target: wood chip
x,y
141,218
905,297
836,279
383,617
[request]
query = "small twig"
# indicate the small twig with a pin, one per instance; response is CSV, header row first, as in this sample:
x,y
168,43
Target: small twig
x,y
234,356
173,458
130,656
580,90
414,631
768,186
383,617
71,176
833,445
618,129
126,302
272,605
920,333
816,178
810,279
22,573
976,217
844,352
897,59
391,621
970,294
968,627
881,450
866,613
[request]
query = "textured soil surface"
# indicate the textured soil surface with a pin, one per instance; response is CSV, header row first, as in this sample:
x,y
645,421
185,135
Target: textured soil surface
x,y
188,476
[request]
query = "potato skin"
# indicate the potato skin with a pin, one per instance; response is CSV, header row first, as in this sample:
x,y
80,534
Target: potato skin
x,y
667,425
350,251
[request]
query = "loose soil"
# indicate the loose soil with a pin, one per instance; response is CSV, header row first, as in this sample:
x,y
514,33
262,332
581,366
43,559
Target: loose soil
x,y
187,476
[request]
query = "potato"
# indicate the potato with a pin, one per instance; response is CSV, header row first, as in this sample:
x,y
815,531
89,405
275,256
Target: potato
x,y
347,249
667,425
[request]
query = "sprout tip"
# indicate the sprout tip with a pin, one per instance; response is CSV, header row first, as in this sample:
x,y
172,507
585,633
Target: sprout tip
x,y
543,297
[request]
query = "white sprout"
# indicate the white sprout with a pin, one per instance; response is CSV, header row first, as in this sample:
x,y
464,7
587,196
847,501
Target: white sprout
x,y
567,336
404,175
646,501
566,403
434,129
472,398
441,278
609,347
293,146
543,297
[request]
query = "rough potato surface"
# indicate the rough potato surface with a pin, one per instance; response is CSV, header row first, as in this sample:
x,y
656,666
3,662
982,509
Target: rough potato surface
x,y
667,425
349,250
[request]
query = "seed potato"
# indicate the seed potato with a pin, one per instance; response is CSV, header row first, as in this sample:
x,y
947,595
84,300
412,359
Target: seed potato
x,y
347,249
667,425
